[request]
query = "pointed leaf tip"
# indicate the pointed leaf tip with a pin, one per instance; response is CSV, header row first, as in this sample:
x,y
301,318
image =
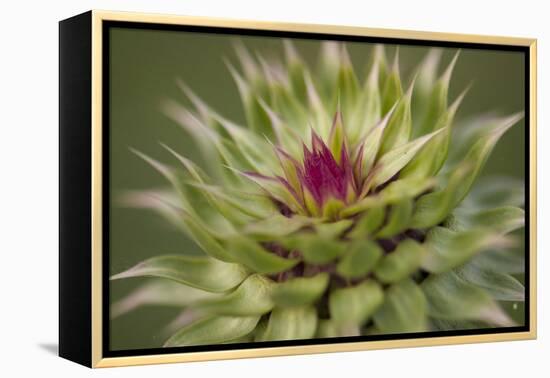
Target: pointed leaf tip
x,y
204,273
213,330
337,138
290,51
393,161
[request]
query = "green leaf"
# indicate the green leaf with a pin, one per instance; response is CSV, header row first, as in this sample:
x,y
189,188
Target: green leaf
x,y
260,329
216,198
327,328
378,58
204,239
361,257
500,220
451,297
501,286
368,109
433,155
256,117
164,202
158,292
296,71
406,188
252,297
191,168
290,167
205,137
398,220
398,130
185,317
371,144
190,221
331,209
276,226
315,248
404,309
352,306
501,260
200,272
232,157
491,192
169,173
285,136
329,64
241,340
448,249
274,188
285,104
213,330
395,192
425,79
393,90
457,324
300,291
255,257
311,204
368,223
291,323
333,229
434,207
255,149
316,107
400,263
248,64
437,103
337,137
228,202
369,203
393,161
348,85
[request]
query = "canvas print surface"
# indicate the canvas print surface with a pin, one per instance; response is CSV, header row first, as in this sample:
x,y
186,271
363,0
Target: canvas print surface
x,y
267,189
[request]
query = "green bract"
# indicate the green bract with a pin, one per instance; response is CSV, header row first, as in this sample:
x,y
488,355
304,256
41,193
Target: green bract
x,y
335,211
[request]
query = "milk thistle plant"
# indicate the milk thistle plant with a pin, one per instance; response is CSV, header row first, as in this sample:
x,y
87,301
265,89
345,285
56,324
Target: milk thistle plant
x,y
343,207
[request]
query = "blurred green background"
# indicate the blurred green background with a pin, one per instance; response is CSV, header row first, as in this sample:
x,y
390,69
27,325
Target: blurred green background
x,y
144,65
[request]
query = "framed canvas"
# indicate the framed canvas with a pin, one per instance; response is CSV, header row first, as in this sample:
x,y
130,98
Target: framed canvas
x,y
234,189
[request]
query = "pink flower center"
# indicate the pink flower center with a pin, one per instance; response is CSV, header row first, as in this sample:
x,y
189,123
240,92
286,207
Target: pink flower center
x,y
323,176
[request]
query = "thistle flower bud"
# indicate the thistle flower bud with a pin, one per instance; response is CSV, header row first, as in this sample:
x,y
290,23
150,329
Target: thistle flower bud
x,y
335,210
